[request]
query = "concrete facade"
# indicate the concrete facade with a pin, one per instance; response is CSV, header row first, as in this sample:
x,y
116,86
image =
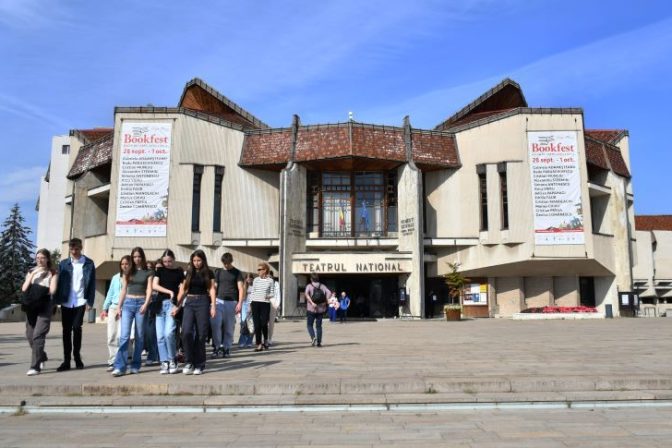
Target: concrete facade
x,y
652,270
427,213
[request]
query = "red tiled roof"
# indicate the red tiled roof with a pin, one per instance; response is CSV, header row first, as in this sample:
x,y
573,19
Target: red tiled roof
x,y
92,156
267,148
91,135
606,156
606,135
653,222
431,149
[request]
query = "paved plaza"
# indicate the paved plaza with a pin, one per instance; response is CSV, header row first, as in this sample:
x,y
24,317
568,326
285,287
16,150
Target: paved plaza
x,y
400,383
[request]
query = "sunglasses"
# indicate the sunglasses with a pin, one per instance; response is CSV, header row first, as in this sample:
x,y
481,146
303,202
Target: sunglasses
x,y
261,269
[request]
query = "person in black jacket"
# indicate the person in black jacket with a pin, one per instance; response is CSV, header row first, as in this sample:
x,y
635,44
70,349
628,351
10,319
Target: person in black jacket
x,y
75,293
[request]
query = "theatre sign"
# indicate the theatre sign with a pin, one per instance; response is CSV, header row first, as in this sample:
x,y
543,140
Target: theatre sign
x,y
351,263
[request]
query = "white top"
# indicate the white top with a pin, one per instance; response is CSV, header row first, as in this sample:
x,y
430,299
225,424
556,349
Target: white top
x,y
77,290
263,289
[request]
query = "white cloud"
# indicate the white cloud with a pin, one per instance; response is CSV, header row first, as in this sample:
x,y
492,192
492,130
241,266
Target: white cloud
x,y
20,184
31,13
23,109
597,68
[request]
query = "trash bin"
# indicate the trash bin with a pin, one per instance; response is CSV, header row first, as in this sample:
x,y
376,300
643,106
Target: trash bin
x,y
92,316
608,312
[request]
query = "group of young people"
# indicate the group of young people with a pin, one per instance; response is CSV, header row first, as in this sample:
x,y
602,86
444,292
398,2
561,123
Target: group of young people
x,y
186,306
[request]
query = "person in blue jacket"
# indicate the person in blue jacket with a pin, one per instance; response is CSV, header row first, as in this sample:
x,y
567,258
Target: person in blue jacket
x,y
75,293
344,302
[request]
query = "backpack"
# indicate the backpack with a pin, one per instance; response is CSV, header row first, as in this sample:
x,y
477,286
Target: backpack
x,y
318,297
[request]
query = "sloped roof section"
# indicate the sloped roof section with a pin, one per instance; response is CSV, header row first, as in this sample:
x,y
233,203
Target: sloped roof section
x,y
199,96
611,136
92,155
653,222
504,96
269,148
90,135
434,150
605,155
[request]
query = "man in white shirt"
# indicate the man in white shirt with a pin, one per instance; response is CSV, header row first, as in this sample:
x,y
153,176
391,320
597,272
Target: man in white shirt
x,y
75,293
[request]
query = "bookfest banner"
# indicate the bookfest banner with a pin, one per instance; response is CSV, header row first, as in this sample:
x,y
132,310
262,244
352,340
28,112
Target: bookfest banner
x,y
144,165
556,187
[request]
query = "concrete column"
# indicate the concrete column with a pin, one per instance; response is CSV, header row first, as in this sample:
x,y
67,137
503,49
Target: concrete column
x,y
411,234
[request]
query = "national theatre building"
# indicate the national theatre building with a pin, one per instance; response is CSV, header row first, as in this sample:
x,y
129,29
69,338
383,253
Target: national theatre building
x,y
536,209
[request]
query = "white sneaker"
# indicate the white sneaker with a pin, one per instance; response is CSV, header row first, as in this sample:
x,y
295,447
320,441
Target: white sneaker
x,y
33,372
164,368
110,368
188,369
172,367
134,371
198,371
117,372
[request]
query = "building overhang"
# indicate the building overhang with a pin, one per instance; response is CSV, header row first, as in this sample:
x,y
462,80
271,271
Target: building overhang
x,y
543,268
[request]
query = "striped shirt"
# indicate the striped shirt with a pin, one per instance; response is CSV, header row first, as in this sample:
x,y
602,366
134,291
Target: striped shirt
x,y
263,289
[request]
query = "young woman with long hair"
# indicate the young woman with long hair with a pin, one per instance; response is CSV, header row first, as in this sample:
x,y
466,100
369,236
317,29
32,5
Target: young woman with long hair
x,y
111,310
245,340
43,277
167,283
198,294
136,292
263,290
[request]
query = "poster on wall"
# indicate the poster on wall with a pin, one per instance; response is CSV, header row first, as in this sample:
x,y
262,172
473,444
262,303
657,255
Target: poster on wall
x,y
476,294
556,187
144,164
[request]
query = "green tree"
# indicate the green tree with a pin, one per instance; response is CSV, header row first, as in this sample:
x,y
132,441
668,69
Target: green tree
x,y
55,258
16,256
455,281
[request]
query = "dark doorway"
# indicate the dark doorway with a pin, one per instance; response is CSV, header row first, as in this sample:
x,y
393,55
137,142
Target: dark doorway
x,y
587,291
370,296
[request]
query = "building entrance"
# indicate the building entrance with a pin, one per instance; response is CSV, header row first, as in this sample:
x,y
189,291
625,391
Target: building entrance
x,y
370,296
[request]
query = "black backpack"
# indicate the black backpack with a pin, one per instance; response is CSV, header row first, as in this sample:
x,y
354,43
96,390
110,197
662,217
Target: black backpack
x,y
318,297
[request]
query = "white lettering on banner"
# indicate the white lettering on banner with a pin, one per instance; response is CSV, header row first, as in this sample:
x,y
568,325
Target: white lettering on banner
x,y
144,168
556,187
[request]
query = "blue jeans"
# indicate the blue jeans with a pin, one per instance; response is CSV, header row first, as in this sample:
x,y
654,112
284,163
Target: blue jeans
x,y
165,332
130,312
150,335
223,323
332,314
317,319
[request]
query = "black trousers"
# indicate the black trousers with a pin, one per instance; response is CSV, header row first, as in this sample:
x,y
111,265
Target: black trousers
x,y
38,322
261,311
72,319
195,324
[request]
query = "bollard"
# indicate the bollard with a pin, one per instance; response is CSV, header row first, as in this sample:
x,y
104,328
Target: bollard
x,y
92,316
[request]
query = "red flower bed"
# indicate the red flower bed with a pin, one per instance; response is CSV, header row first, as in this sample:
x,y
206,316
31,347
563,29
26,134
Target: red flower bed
x,y
561,309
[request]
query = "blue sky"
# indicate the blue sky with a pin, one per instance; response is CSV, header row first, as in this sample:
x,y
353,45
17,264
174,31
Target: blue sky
x,y
66,64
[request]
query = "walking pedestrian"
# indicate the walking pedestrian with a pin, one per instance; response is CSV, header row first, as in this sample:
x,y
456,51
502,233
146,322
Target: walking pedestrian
x,y
111,310
317,296
245,339
275,308
230,296
75,292
40,284
263,290
167,283
198,294
333,308
136,292
344,302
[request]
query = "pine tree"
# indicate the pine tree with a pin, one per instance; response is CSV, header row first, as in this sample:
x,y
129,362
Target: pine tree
x,y
16,256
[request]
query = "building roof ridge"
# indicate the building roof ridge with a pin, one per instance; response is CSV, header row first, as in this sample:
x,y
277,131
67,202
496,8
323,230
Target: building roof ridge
x,y
223,99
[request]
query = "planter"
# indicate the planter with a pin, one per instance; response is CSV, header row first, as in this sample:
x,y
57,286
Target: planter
x,y
453,314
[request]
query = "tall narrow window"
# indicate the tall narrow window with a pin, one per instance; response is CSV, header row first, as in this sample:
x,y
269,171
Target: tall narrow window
x,y
217,206
503,191
483,193
196,199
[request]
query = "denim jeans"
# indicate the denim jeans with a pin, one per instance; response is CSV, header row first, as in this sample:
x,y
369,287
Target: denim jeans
x,y
315,318
165,332
223,324
195,319
130,312
150,335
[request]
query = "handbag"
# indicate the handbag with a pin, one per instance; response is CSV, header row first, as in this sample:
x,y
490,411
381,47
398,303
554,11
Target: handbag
x,y
35,296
